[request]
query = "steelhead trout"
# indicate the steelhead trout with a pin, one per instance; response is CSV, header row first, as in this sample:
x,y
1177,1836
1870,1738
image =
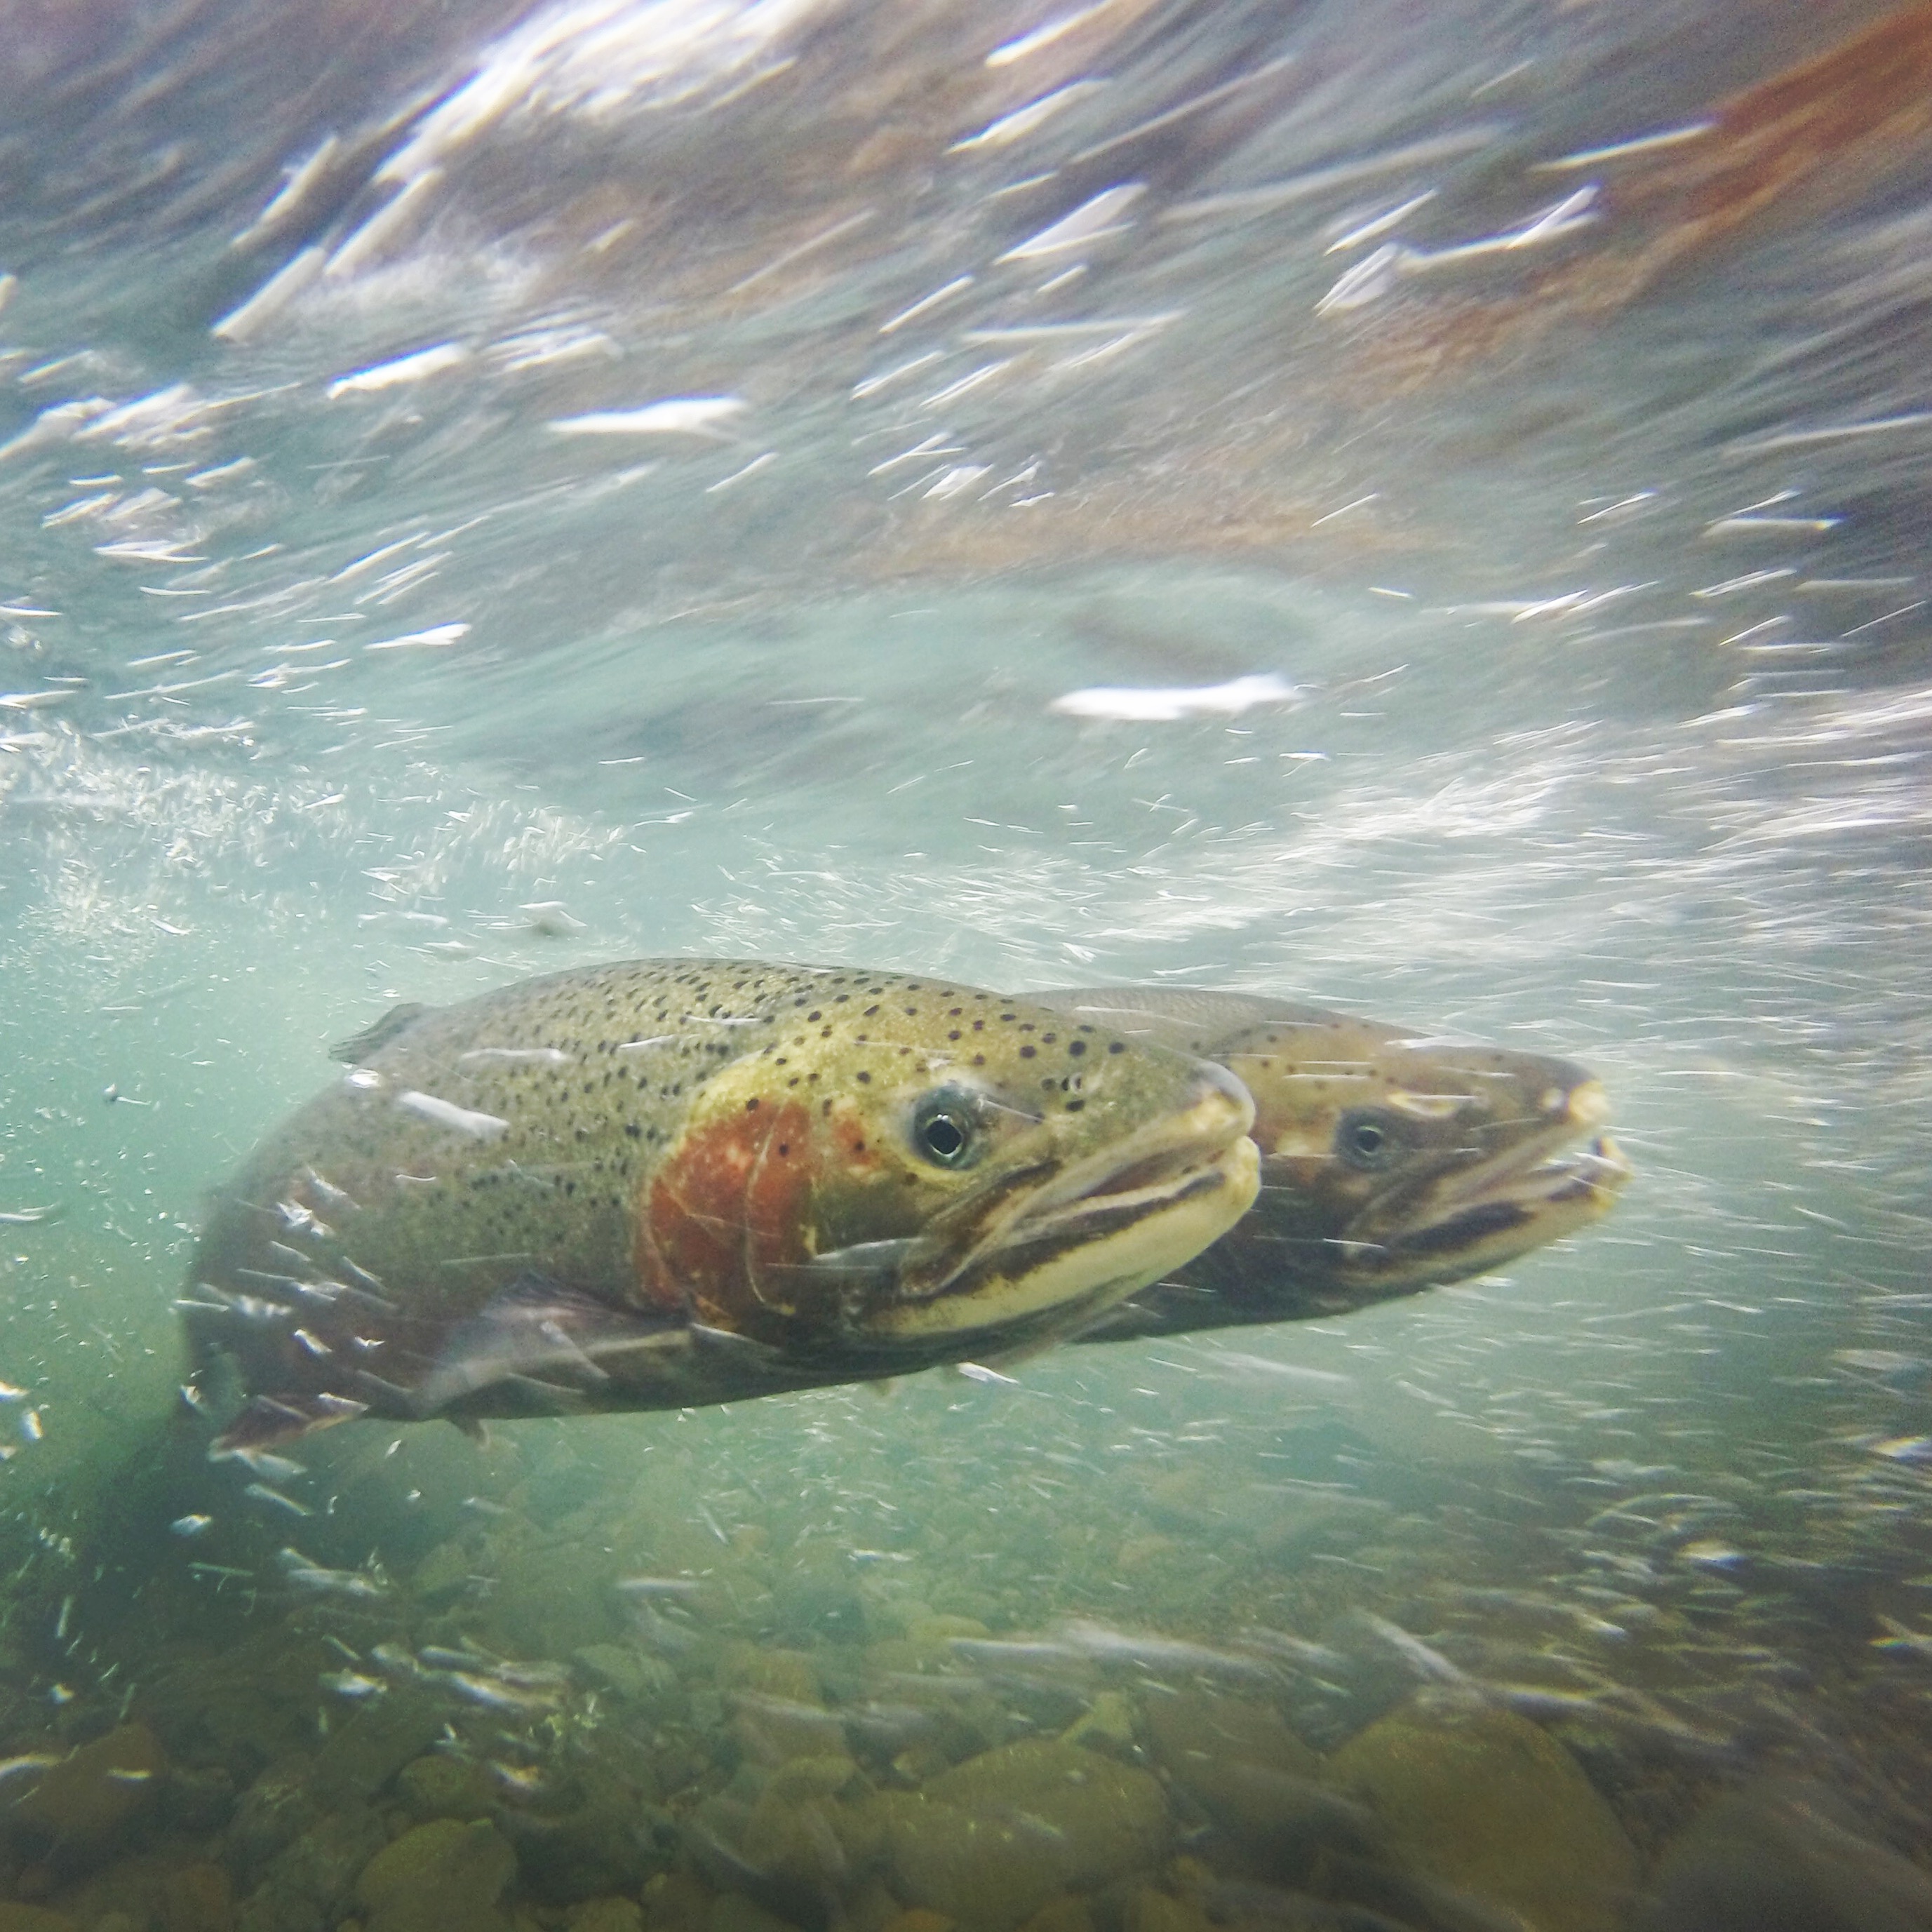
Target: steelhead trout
x,y
662,1184
1390,1163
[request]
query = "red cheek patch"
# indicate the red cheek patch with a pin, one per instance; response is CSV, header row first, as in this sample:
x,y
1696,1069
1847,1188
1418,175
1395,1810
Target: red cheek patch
x,y
729,1205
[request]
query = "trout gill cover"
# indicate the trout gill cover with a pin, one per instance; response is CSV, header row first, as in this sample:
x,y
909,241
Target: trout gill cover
x,y
660,1183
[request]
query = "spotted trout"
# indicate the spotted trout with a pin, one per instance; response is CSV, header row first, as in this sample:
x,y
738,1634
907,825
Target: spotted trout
x,y
664,1183
1391,1162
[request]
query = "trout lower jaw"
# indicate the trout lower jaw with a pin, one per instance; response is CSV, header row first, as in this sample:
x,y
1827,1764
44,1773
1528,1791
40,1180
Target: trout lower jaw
x,y
1100,1229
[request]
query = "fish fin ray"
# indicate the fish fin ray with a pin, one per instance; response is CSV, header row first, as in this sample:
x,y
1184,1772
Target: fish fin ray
x,y
1026,1351
728,1341
268,1420
539,1333
378,1033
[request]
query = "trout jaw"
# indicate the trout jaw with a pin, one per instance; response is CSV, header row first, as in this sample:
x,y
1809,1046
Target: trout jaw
x,y
1052,1255
1477,1218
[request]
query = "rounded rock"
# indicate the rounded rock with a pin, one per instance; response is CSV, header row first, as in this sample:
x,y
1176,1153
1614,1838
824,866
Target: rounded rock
x,y
1483,1799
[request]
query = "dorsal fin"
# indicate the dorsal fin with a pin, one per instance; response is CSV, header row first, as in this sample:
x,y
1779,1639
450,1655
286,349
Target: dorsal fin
x,y
396,1022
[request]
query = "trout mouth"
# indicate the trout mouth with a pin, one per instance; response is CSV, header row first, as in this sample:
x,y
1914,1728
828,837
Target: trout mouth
x,y
1477,1218
1046,1247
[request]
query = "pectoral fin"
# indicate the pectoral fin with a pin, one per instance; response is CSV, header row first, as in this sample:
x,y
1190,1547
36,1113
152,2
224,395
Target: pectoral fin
x,y
268,1420
537,1333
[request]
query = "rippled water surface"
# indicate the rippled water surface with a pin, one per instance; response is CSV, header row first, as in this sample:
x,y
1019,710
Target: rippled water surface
x,y
1421,509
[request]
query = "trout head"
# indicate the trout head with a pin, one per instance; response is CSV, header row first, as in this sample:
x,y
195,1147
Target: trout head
x,y
1391,1163
911,1169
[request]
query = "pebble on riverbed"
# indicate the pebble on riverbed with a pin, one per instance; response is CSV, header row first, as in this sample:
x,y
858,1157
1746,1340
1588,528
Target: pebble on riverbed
x,y
87,1801
439,1877
990,1841
1485,1802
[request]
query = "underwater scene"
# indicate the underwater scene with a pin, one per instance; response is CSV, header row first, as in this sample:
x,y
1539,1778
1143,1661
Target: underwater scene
x,y
965,969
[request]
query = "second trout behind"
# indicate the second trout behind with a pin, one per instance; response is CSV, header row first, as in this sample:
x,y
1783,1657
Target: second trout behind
x,y
1391,1163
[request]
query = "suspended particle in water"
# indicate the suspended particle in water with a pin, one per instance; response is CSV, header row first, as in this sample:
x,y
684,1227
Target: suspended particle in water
x,y
262,1493
1707,1553
351,1683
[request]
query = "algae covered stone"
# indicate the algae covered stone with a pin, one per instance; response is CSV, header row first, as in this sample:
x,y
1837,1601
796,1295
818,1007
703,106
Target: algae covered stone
x,y
94,1793
799,1834
1258,1782
306,1884
1107,1724
34,1918
197,1898
435,1786
607,1914
790,1674
363,1754
733,1912
1193,1731
674,1901
990,1841
625,1672
1482,1799
1151,1911
274,1811
1064,1912
439,1877
1785,1855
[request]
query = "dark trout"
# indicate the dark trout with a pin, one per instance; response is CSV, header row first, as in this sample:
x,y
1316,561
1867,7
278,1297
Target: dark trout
x,y
1390,1163
663,1183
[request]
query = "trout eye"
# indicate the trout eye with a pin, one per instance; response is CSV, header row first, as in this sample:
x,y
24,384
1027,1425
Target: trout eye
x,y
946,1128
1368,1141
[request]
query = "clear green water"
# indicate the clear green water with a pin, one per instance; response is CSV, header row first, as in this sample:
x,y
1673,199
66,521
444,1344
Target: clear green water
x,y
1597,563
